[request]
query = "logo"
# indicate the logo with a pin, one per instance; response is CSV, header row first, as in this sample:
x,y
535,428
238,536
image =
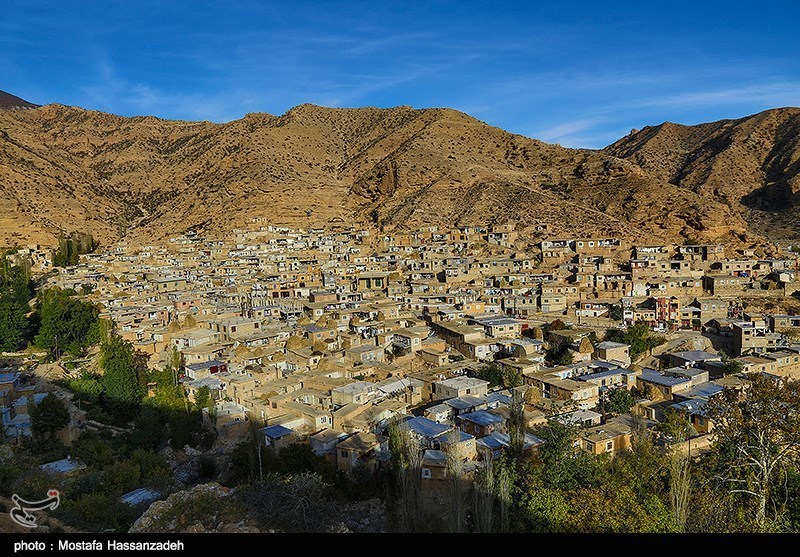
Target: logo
x,y
21,513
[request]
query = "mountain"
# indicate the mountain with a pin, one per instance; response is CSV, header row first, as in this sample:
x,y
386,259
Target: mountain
x,y
751,165
10,102
145,178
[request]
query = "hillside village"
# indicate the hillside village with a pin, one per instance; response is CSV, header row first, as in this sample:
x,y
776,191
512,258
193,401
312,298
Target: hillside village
x,y
324,337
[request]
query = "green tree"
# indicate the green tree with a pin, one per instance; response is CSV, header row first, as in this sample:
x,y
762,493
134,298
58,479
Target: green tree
x,y
564,465
15,291
93,450
48,417
67,323
492,373
619,401
203,398
638,337
615,312
560,354
87,387
730,366
123,377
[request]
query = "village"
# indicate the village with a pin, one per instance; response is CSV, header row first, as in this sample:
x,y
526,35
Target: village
x,y
325,337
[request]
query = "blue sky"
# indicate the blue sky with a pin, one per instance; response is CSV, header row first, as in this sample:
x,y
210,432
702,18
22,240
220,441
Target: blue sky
x,y
580,73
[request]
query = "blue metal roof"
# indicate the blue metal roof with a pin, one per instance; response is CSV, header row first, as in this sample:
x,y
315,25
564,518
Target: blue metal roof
x,y
8,377
425,427
205,365
462,436
481,417
276,431
652,376
139,496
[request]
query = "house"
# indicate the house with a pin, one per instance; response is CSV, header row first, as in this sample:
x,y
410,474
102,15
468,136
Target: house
x,y
434,465
666,385
691,358
613,351
427,432
324,442
492,446
64,466
459,386
479,423
358,392
362,450
610,437
142,496
203,370
277,436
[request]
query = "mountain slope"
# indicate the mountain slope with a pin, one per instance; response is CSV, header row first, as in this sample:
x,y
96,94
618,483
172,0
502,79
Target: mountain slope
x,y
751,164
147,178
10,102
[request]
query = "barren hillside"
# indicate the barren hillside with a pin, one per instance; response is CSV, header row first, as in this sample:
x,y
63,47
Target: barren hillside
x,y
147,178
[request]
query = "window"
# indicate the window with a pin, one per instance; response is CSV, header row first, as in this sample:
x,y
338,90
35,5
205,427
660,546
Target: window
x,y
344,454
609,445
233,329
426,472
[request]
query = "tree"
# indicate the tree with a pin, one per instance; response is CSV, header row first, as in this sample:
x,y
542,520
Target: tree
x,y
122,378
560,354
15,292
203,398
67,324
564,465
48,417
730,366
407,460
87,387
619,401
756,437
638,337
492,373
615,312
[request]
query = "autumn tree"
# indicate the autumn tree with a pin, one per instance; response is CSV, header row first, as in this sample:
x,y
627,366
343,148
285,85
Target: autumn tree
x,y
757,438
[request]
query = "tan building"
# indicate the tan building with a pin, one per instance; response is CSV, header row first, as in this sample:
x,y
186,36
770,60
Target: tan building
x,y
361,449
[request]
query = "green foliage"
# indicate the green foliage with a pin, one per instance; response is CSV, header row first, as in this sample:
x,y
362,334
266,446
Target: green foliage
x,y
619,401
757,441
296,457
615,312
66,322
565,466
730,366
676,426
123,378
121,477
149,428
153,469
497,376
16,290
94,512
560,354
638,337
71,247
203,398
48,417
93,451
87,388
